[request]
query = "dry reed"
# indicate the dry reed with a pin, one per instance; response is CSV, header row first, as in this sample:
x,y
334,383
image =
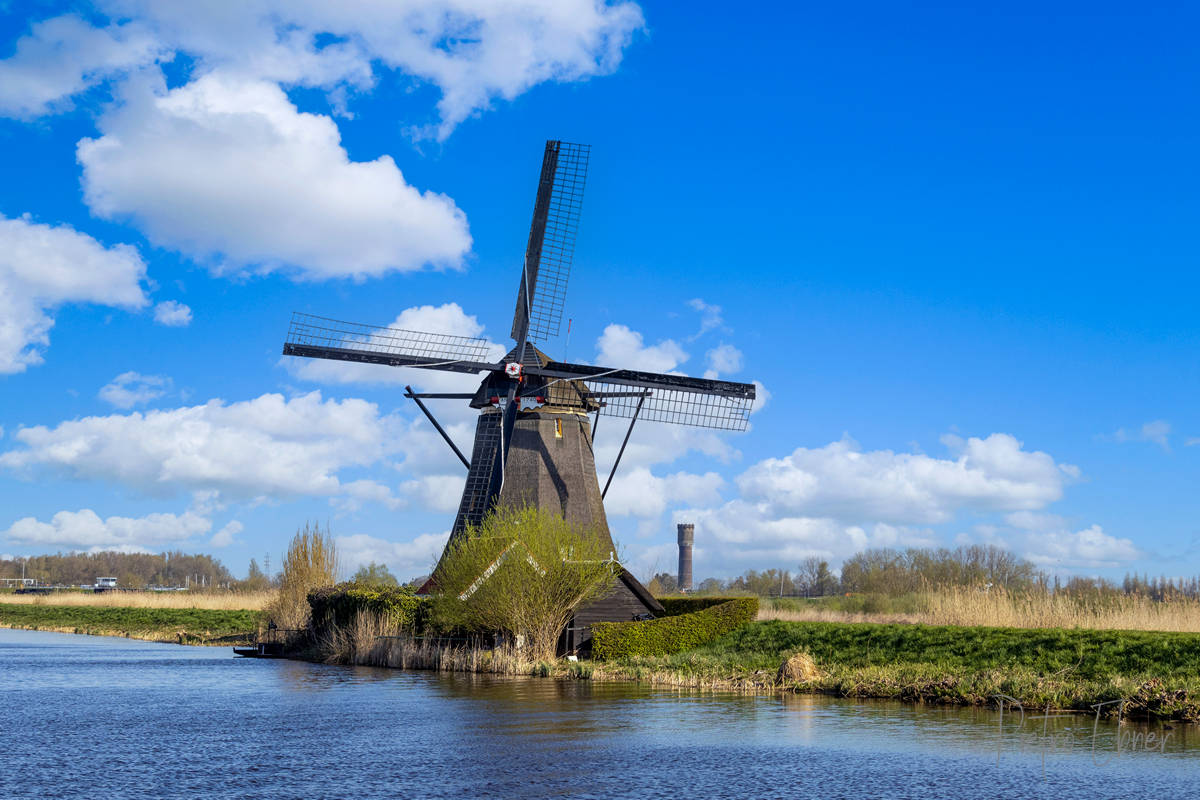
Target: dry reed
x,y
998,608
311,562
375,641
217,601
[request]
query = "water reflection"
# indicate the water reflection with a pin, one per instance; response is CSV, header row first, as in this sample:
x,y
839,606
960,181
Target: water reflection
x,y
194,722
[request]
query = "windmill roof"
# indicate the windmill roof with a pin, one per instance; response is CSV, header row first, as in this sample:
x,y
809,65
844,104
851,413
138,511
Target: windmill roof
x,y
532,357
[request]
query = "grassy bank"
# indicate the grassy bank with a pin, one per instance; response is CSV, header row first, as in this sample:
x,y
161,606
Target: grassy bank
x,y
996,608
1157,672
187,625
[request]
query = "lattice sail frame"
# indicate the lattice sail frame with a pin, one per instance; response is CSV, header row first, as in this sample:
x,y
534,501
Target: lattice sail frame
x,y
311,331
677,406
553,258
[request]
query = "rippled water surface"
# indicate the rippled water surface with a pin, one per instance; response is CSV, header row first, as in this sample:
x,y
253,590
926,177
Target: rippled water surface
x,y
114,718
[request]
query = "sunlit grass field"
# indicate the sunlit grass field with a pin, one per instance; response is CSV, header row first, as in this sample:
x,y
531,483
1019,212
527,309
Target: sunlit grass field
x,y
1155,672
995,608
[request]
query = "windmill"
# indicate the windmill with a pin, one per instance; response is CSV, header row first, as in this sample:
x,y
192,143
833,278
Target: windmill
x,y
537,416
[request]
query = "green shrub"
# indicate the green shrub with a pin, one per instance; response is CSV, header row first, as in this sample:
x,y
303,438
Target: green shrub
x,y
679,604
336,606
660,637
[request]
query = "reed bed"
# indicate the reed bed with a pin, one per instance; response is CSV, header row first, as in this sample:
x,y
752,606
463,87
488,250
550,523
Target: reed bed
x,y
999,608
212,601
375,641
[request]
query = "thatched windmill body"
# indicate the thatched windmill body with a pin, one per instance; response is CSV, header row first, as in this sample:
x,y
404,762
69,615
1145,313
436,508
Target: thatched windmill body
x,y
537,416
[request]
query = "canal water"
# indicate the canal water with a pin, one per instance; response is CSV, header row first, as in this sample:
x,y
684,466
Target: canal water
x,y
113,718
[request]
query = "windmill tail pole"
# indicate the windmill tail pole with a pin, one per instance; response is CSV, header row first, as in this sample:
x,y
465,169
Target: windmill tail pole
x,y
621,452
408,392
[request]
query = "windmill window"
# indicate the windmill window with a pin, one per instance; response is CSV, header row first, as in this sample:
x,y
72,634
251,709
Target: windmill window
x,y
558,429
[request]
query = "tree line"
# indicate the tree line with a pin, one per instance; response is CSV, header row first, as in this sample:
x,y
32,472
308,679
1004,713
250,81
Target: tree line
x,y
888,571
132,570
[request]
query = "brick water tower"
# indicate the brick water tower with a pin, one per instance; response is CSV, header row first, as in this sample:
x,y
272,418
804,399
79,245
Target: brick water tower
x,y
687,533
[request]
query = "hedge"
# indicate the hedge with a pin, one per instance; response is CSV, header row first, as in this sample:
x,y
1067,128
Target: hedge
x,y
687,604
666,635
337,606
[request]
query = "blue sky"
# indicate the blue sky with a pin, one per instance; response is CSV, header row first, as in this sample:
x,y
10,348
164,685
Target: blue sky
x,y
950,243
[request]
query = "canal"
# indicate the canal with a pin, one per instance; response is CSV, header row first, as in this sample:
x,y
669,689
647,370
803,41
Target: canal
x,y
103,717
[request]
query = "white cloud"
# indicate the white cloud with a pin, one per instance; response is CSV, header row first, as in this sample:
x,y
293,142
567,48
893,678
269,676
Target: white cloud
x,y
741,534
227,169
130,389
724,359
836,500
1090,547
1156,432
620,347
841,481
85,529
43,267
474,52
64,56
438,493
710,317
172,314
406,560
224,537
638,492
269,446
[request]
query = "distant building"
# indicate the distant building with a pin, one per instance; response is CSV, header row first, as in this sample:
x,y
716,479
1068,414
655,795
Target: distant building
x,y
687,533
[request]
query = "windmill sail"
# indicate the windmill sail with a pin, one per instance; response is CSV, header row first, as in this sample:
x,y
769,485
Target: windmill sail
x,y
320,337
543,287
678,399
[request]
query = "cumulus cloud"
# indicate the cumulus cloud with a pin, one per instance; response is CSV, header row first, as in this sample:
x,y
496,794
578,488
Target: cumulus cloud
x,y
172,314
741,534
724,359
439,493
1048,540
835,500
227,169
622,348
85,529
131,389
1090,547
475,53
841,481
225,536
405,559
43,267
639,493
269,446
64,56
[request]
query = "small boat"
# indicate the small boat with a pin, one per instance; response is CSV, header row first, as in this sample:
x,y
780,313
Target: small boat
x,y
270,647
261,650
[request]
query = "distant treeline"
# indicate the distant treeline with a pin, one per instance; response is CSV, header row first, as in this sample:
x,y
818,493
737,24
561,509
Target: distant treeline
x,y
886,571
132,570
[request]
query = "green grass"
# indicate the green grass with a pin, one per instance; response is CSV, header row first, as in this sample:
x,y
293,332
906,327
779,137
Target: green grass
x,y
1158,672
190,625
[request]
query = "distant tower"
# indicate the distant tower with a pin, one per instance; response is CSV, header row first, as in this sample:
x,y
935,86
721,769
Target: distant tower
x,y
687,532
